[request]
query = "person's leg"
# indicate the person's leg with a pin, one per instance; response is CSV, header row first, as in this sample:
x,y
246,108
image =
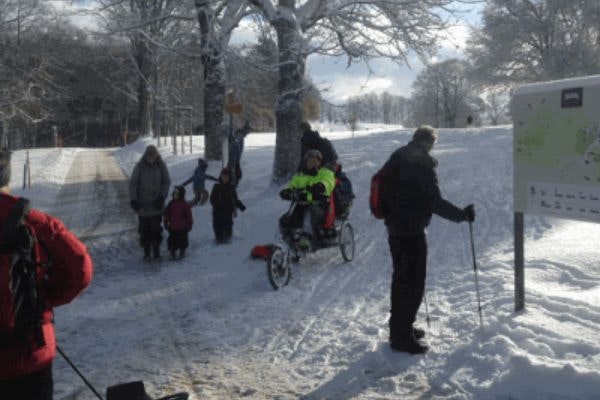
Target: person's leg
x,y
35,386
317,219
408,282
228,227
156,229
145,235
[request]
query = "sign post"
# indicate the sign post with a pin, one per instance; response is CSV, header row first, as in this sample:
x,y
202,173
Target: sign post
x,y
556,156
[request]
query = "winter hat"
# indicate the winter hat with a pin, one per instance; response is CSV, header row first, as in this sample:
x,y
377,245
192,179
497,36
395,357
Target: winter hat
x,y
151,150
305,126
180,191
4,168
202,163
425,133
313,153
225,172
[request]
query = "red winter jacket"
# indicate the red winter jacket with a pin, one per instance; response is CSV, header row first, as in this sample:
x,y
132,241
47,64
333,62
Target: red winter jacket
x,y
69,274
178,216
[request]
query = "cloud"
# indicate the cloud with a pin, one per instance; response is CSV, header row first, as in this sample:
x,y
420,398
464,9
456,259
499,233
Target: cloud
x,y
338,82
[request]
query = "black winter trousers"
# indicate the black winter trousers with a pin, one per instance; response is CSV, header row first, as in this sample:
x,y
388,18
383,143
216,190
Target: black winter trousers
x,y
409,256
150,230
35,386
177,240
223,227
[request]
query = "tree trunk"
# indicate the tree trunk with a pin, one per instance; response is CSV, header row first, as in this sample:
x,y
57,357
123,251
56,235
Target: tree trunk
x,y
214,101
3,136
144,64
288,110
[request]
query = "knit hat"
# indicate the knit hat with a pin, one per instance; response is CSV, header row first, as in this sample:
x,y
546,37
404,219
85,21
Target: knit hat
x,y
305,126
4,167
180,191
202,163
225,171
313,153
425,133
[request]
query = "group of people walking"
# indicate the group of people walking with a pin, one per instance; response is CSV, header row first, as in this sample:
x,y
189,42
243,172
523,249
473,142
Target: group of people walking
x,y
27,350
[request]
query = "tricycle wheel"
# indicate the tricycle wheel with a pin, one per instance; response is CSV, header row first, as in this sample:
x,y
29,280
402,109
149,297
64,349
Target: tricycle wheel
x,y
347,241
278,268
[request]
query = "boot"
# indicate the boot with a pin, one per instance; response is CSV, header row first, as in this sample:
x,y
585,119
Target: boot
x,y
181,253
156,251
146,252
408,344
173,255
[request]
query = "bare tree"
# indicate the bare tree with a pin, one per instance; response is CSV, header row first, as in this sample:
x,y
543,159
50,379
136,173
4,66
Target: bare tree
x,y
526,40
26,67
444,96
217,20
358,29
152,27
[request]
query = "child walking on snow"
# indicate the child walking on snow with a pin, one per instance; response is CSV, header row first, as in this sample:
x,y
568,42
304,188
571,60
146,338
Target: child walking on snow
x,y
198,179
224,200
178,221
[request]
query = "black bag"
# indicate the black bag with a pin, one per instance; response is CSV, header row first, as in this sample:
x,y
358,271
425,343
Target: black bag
x,y
23,314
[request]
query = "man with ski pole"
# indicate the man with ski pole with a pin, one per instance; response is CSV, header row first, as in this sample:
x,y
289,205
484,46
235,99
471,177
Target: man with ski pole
x,y
410,195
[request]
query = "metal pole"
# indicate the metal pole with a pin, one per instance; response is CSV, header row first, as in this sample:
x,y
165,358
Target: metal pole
x,y
180,113
476,277
426,310
519,261
89,385
191,129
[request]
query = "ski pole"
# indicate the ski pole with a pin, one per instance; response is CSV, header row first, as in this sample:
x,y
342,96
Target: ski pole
x,y
476,278
426,311
89,385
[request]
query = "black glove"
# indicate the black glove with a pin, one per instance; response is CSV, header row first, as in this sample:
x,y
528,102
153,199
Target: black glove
x,y
316,189
469,213
242,207
135,205
159,202
302,196
286,194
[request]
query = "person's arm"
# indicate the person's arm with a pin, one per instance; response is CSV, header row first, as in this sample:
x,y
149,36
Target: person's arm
x,y
134,183
187,182
71,266
211,178
439,205
189,217
237,202
165,181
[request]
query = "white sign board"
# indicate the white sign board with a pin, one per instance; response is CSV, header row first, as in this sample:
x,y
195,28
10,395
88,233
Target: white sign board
x,y
556,147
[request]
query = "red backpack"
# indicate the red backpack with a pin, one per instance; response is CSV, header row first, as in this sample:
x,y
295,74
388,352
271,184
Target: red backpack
x,y
380,186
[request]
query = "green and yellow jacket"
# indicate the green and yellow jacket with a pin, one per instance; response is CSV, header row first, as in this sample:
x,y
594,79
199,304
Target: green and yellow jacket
x,y
302,180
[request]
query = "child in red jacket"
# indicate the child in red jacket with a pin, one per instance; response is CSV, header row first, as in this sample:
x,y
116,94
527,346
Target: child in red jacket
x,y
178,221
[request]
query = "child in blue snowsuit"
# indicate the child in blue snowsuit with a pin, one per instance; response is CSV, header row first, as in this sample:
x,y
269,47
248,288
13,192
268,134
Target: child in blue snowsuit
x,y
199,179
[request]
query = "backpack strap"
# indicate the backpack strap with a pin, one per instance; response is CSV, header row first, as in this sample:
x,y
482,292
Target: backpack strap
x,y
10,226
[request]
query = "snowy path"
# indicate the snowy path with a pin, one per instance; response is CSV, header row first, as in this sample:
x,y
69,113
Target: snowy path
x,y
212,326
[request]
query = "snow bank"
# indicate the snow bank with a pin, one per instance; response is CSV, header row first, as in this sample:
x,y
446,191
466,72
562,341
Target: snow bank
x,y
49,168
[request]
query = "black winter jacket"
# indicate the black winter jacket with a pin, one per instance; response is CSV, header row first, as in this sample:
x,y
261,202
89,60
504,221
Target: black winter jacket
x,y
224,199
311,140
415,193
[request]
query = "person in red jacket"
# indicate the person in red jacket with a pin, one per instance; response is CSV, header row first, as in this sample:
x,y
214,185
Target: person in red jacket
x,y
178,221
25,360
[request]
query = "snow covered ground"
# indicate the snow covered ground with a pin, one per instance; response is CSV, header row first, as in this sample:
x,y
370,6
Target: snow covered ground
x,y
211,324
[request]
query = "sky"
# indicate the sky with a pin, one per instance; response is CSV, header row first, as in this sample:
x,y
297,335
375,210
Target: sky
x,y
338,81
